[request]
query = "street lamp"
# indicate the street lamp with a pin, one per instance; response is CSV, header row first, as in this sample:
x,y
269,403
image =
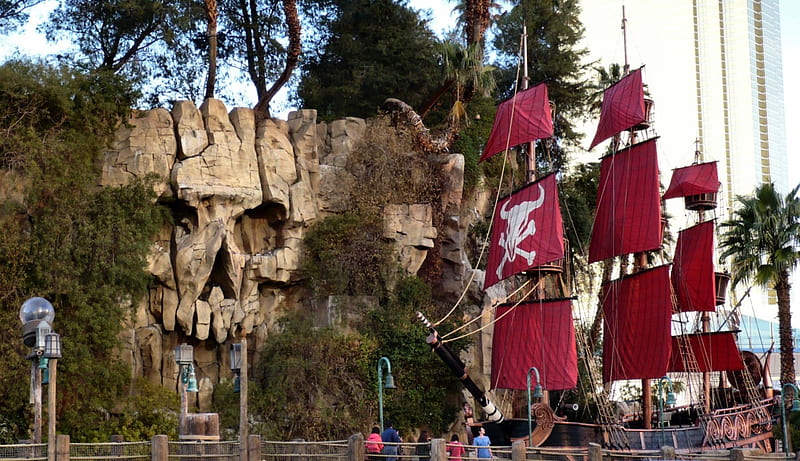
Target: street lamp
x,y
784,421
236,366
663,383
239,368
389,384
187,378
37,315
537,394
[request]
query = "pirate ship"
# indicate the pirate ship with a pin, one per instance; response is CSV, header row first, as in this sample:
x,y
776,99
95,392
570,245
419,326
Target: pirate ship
x,y
654,312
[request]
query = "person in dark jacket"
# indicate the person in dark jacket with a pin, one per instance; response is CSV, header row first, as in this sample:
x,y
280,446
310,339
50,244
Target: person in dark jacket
x,y
424,447
391,439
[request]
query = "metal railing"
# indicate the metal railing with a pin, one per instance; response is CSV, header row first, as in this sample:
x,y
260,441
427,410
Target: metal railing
x,y
345,450
109,451
28,452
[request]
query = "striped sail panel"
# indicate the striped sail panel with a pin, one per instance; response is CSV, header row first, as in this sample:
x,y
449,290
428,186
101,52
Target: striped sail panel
x,y
693,269
622,108
638,311
537,334
524,118
628,214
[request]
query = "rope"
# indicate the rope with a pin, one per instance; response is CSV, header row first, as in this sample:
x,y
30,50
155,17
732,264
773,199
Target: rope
x,y
494,307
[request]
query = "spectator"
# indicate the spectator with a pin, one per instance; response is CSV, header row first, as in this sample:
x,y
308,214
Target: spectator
x,y
455,449
424,447
391,439
483,442
374,444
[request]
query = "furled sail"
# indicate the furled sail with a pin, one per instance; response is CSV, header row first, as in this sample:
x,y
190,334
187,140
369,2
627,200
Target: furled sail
x,y
628,216
638,311
711,352
693,269
623,107
524,118
695,179
527,231
537,334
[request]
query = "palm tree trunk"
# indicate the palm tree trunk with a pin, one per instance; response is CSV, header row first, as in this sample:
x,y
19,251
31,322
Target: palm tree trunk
x,y
782,287
211,18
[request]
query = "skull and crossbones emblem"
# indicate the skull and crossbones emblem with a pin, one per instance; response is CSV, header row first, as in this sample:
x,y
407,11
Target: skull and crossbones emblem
x,y
519,226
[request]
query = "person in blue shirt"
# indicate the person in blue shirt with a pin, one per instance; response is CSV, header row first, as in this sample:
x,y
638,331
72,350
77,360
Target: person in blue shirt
x,y
390,438
483,442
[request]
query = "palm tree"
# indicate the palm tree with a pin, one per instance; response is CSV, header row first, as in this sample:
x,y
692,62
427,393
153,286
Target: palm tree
x,y
463,72
210,7
761,240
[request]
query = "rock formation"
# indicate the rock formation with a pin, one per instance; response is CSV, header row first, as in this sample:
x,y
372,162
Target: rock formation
x,y
244,192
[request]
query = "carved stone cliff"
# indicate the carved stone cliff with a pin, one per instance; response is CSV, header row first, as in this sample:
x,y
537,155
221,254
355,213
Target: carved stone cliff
x,y
244,192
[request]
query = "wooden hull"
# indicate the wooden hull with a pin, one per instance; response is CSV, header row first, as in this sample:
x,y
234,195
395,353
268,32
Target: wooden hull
x,y
743,426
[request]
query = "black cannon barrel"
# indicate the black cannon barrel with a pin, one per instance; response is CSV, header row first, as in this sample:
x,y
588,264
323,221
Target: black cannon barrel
x,y
460,370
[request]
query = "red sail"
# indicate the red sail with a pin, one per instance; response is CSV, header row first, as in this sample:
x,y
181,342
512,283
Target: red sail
x,y
537,334
628,217
526,232
637,311
693,180
531,120
693,269
711,351
623,107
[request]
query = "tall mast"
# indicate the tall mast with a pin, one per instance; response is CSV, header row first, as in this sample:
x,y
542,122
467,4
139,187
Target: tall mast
x,y
705,319
627,66
531,154
639,259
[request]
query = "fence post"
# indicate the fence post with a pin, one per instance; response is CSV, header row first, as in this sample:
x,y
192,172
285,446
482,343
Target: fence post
x,y
518,450
667,453
737,454
62,447
160,449
595,452
254,447
355,447
438,450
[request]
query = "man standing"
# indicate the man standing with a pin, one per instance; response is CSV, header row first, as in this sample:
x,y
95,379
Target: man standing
x,y
391,439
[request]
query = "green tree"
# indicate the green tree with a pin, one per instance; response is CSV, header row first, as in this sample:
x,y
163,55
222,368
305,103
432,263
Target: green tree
x,y
13,13
375,49
760,240
112,34
82,247
312,383
554,32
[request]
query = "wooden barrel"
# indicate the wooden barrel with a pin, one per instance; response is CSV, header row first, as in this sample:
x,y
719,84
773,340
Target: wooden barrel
x,y
199,426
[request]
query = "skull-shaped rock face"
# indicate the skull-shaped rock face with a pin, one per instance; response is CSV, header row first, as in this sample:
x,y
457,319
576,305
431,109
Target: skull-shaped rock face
x,y
242,193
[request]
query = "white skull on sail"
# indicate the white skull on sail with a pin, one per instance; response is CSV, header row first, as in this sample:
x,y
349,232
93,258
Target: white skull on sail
x,y
519,226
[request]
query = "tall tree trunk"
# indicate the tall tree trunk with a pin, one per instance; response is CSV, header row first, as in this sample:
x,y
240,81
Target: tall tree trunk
x,y
782,287
292,56
211,32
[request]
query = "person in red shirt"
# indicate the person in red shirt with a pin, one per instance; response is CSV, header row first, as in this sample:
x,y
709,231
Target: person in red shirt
x,y
455,449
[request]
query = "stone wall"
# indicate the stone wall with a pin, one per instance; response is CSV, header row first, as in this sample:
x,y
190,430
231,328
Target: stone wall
x,y
243,193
